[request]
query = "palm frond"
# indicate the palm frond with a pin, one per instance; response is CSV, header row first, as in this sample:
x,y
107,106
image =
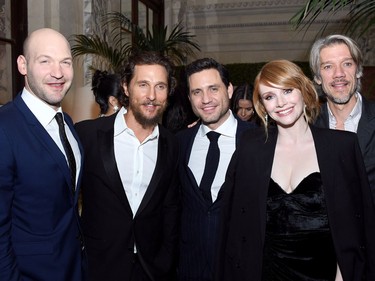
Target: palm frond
x,y
360,15
362,18
121,38
101,50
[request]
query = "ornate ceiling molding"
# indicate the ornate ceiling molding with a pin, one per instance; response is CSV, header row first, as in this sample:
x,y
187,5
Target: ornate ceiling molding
x,y
257,24
246,5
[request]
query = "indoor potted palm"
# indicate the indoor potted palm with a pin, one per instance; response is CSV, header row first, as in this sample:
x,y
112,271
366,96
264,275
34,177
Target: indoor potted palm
x,y
110,49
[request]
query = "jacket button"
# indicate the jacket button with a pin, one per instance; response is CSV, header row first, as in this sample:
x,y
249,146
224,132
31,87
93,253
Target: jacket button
x,y
243,239
243,210
238,265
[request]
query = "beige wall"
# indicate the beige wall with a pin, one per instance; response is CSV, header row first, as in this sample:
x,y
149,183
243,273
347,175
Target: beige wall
x,y
67,16
234,31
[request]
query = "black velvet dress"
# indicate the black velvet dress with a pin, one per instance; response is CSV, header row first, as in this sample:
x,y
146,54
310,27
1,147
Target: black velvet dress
x,y
298,243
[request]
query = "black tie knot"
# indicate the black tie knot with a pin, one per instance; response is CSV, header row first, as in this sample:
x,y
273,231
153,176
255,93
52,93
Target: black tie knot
x,y
213,136
59,119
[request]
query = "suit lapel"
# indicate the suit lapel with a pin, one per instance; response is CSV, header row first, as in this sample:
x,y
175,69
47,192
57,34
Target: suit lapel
x,y
322,121
162,158
324,149
107,152
187,171
45,139
73,131
365,126
263,170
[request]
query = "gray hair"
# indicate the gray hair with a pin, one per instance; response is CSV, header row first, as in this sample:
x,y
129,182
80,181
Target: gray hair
x,y
336,39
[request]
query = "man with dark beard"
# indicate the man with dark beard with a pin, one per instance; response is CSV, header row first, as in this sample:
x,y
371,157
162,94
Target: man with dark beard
x,y
130,196
336,62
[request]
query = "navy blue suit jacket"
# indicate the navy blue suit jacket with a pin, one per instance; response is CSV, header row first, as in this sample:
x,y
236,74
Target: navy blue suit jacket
x,y
199,220
39,222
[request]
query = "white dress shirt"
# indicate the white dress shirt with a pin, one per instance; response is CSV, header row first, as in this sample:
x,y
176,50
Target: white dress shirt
x,y
227,145
135,161
46,116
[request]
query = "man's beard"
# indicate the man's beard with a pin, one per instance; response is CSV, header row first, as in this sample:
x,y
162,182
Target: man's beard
x,y
341,100
146,121
344,100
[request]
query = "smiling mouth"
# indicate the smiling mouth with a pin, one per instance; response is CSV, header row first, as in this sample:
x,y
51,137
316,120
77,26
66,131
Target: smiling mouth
x,y
151,106
339,83
208,108
285,112
59,85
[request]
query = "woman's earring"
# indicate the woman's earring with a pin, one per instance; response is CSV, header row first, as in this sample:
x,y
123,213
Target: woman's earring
x,y
304,113
115,108
266,118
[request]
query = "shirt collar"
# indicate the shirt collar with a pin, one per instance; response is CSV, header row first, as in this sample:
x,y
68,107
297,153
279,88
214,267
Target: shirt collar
x,y
121,126
42,111
228,128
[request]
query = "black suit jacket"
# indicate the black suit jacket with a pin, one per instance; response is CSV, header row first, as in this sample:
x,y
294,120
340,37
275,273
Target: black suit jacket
x,y
347,194
366,136
199,220
108,224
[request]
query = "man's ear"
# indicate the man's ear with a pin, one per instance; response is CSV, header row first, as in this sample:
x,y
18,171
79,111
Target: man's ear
x,y
125,87
317,80
22,65
230,90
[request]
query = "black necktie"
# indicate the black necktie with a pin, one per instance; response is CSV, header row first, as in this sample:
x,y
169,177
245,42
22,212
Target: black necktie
x,y
212,161
67,148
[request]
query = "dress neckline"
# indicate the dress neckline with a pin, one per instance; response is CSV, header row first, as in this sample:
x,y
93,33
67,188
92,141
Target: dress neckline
x,y
302,181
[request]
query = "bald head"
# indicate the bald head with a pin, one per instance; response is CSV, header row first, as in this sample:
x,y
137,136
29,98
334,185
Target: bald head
x,y
42,37
47,66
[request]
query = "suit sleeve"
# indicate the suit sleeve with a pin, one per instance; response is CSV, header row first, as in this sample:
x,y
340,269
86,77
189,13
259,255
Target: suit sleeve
x,y
370,169
368,216
8,267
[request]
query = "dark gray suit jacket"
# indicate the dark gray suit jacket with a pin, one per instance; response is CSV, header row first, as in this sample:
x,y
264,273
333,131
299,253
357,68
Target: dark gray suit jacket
x,y
366,137
349,206
109,227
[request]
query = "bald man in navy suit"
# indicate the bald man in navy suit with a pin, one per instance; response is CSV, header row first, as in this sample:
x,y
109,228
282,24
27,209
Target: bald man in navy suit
x,y
40,237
